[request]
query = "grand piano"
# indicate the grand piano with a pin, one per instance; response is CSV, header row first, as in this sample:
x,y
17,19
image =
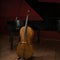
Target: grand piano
x,y
50,12
11,28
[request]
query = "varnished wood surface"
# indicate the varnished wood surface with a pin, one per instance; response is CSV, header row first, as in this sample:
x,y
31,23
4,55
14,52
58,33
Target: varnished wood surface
x,y
45,50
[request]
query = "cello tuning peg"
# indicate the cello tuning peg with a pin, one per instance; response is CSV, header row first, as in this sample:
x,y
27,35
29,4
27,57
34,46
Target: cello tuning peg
x,y
28,12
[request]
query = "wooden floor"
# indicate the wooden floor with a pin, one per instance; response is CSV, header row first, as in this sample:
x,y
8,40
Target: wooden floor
x,y
45,50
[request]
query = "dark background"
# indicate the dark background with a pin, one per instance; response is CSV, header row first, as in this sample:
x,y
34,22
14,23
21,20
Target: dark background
x,y
47,11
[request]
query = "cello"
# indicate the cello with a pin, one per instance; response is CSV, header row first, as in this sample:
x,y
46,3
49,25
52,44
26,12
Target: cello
x,y
24,48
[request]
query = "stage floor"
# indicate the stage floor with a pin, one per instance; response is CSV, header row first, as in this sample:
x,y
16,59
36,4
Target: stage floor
x,y
45,50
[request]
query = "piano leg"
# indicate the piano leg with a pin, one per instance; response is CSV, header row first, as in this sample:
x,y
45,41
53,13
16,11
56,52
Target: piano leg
x,y
11,40
38,36
18,33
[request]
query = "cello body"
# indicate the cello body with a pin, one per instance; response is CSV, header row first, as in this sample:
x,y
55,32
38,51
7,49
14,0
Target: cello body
x,y
25,48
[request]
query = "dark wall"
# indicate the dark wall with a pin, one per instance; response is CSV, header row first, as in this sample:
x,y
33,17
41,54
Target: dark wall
x,y
13,8
56,1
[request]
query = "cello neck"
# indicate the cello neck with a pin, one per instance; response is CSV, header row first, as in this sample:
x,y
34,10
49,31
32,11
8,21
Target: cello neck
x,y
25,30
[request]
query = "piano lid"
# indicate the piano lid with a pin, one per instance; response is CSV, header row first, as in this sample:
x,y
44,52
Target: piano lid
x,y
47,10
